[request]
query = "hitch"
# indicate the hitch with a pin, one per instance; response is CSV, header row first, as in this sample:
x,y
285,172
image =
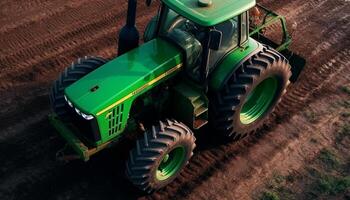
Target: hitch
x,y
297,63
258,32
81,150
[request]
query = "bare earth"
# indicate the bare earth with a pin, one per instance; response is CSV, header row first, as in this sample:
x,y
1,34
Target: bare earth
x,y
38,38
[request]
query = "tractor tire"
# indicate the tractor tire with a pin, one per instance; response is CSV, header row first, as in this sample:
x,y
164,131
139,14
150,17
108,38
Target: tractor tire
x,y
71,74
250,95
160,155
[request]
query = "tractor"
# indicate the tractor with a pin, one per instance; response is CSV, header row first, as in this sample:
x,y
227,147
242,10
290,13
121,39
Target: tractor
x,y
203,63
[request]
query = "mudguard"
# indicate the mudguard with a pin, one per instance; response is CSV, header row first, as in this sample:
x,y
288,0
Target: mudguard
x,y
230,63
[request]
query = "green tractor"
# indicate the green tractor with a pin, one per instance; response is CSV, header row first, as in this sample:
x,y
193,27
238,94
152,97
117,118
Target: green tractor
x,y
201,64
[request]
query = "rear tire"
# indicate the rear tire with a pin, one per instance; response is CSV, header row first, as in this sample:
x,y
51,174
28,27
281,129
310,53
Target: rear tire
x,y
250,95
71,74
160,155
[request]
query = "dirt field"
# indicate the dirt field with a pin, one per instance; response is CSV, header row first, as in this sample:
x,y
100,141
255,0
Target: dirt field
x,y
38,38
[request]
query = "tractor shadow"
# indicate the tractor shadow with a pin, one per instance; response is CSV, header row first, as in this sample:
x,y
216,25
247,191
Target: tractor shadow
x,y
103,176
30,161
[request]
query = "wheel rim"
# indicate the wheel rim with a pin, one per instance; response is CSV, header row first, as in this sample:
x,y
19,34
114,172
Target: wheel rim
x,y
259,101
171,163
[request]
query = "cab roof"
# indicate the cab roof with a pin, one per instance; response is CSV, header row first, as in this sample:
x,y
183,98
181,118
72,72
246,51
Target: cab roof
x,y
219,10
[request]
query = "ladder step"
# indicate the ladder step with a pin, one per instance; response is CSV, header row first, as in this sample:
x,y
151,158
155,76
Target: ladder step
x,y
195,98
198,103
198,123
200,111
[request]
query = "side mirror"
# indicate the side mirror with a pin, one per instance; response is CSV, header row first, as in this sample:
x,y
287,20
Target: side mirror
x,y
215,39
148,2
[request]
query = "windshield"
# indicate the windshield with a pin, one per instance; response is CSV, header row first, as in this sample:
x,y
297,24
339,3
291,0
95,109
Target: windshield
x,y
229,29
172,21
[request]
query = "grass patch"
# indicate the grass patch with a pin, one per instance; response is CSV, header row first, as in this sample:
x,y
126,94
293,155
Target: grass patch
x,y
343,133
326,184
311,116
345,103
345,114
331,185
329,159
276,180
345,89
291,178
276,187
268,195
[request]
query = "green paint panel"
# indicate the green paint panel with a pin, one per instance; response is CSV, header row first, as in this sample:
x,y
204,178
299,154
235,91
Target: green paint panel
x,y
123,75
122,80
230,63
219,10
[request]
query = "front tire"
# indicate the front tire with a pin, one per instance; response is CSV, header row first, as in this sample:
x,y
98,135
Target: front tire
x,y
160,155
250,95
71,74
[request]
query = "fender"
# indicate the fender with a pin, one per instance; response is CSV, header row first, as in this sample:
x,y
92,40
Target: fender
x,y
231,62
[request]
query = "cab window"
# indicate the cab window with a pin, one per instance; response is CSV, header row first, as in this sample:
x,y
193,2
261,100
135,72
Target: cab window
x,y
230,39
229,31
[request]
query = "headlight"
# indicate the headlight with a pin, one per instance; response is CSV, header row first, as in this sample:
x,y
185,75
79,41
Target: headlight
x,y
77,111
69,103
85,116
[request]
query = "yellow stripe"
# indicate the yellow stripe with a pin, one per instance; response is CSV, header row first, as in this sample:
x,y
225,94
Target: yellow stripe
x,y
140,89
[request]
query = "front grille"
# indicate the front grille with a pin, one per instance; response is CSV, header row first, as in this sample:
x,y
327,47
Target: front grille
x,y
115,119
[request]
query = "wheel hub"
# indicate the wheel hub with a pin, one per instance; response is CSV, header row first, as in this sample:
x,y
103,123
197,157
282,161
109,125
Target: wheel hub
x,y
166,158
259,101
171,163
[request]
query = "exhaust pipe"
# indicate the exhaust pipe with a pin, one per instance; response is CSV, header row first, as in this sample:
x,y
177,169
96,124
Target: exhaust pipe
x,y
129,35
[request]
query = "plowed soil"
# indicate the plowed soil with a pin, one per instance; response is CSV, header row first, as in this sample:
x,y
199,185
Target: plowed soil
x,y
39,38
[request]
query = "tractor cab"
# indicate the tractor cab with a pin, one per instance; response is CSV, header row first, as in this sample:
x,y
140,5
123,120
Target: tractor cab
x,y
206,31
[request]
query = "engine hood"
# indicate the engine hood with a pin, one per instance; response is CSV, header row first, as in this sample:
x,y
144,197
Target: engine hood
x,y
124,77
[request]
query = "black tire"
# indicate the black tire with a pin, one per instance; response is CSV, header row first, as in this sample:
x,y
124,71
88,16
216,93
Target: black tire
x,y
145,159
226,105
71,74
